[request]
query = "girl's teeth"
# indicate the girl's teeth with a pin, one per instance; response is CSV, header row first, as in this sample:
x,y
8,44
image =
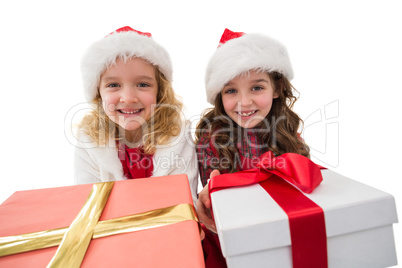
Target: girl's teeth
x,y
129,112
247,114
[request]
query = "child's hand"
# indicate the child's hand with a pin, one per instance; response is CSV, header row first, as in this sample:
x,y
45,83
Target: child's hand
x,y
204,206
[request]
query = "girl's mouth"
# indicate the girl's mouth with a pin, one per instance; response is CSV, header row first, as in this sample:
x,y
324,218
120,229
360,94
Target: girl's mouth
x,y
244,114
129,112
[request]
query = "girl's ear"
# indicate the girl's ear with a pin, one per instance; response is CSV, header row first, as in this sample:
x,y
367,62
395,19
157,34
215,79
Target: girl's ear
x,y
274,79
276,94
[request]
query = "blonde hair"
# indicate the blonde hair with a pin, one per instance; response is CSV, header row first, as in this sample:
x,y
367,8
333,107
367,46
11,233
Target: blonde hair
x,y
164,123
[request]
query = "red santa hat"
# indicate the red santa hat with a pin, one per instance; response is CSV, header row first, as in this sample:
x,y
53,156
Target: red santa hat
x,y
125,42
240,52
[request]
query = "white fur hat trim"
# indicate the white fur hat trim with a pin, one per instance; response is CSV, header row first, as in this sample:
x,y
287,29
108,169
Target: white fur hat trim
x,y
239,55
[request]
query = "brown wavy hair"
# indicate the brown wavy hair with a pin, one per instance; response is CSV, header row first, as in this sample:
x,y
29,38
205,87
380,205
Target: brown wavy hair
x,y
164,123
281,123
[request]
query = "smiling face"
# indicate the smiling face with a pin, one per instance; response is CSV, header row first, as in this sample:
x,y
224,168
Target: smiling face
x,y
247,99
128,91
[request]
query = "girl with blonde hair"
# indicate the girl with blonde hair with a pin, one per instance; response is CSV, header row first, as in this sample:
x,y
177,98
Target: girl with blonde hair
x,y
135,129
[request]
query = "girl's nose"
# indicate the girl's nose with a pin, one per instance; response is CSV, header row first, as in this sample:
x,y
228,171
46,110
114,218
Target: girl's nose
x,y
128,96
245,100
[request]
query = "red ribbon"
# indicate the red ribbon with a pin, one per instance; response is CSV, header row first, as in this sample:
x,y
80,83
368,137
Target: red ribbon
x,y
280,177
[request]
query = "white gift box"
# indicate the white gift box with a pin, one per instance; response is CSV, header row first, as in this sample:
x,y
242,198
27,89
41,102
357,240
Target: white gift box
x,y
254,231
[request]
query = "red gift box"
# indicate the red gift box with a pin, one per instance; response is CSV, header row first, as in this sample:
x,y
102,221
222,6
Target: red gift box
x,y
172,245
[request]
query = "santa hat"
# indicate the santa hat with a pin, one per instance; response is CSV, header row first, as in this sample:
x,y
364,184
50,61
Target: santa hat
x,y
125,42
240,52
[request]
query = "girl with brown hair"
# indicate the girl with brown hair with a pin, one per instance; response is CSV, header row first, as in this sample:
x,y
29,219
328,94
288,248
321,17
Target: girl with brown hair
x,y
247,81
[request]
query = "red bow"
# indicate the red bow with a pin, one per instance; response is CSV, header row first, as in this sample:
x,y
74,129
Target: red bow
x,y
294,168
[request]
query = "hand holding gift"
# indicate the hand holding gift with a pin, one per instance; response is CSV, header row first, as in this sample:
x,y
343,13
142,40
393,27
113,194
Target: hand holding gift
x,y
204,206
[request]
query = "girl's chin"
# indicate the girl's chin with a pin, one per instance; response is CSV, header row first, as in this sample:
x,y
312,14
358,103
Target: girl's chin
x,y
132,127
132,124
248,126
248,123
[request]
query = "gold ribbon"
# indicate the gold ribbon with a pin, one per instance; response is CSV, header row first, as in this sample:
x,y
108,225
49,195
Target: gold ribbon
x,y
75,242
86,226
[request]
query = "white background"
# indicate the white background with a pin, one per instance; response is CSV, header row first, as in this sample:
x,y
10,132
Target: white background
x,y
346,56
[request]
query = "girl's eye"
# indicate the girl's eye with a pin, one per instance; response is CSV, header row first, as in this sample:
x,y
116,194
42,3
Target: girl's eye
x,y
143,85
113,85
257,88
230,91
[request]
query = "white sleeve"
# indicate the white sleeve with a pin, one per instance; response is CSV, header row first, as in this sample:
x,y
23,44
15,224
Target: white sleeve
x,y
85,169
181,157
191,165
